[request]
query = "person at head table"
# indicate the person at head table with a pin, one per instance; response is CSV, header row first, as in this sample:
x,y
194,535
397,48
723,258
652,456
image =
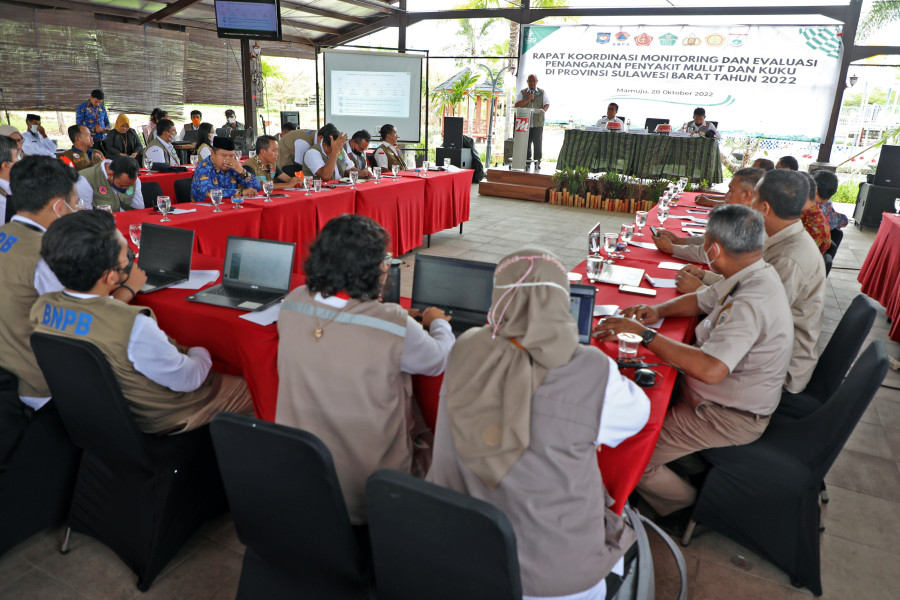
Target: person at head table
x,y
700,126
36,141
523,411
81,155
113,183
263,166
735,370
170,388
365,415
222,171
355,150
388,153
123,140
611,112
327,160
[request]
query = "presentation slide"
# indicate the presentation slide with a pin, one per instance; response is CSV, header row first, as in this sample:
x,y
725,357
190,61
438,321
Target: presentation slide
x,y
365,90
253,16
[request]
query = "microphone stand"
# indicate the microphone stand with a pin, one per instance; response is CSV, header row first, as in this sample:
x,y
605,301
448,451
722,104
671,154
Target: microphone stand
x,y
3,98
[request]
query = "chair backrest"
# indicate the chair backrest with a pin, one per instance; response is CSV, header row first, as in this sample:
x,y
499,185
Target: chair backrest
x,y
829,260
836,236
221,132
89,399
650,123
842,348
287,502
715,124
151,191
430,541
183,190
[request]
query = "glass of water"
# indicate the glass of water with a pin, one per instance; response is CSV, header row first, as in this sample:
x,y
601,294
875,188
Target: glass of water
x,y
251,153
593,267
215,195
897,206
267,187
134,232
627,232
164,204
446,162
317,185
609,244
594,243
395,170
425,165
148,164
237,201
662,214
194,159
628,345
354,177
663,202
640,219
237,155
104,208
376,173
305,182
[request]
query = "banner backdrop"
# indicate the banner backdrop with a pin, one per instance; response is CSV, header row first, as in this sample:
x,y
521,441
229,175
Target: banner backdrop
x,y
774,81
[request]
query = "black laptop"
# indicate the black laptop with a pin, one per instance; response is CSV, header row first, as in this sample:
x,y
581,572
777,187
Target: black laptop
x,y
256,274
165,255
461,288
191,135
581,306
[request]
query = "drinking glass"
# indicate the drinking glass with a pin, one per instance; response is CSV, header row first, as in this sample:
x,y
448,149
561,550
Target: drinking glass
x,y
662,214
215,195
251,153
425,164
640,219
148,163
104,208
395,170
897,206
376,173
317,185
195,159
628,345
82,204
663,202
354,177
593,268
627,233
164,204
237,155
267,187
609,244
446,162
134,231
306,186
237,201
594,243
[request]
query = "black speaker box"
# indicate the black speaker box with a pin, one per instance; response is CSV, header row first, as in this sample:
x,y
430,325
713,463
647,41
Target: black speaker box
x,y
453,132
872,202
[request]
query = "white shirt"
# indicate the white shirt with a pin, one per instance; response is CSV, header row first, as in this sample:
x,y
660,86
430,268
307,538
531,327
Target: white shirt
x,y
156,358
422,354
159,156
44,281
86,192
35,145
300,148
4,192
313,161
381,156
603,121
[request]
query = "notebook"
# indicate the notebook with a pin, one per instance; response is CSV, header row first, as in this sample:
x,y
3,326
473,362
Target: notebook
x,y
461,288
165,255
256,274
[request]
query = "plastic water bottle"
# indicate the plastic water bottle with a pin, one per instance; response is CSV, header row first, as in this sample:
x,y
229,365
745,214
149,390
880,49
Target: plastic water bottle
x,y
628,125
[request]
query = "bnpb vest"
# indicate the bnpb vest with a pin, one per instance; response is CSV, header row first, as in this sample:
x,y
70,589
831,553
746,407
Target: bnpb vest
x,y
286,145
104,194
79,160
537,118
339,165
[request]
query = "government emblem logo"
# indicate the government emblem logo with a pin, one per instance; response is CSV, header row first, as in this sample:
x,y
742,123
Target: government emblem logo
x,y
622,36
603,38
643,39
691,40
715,39
668,39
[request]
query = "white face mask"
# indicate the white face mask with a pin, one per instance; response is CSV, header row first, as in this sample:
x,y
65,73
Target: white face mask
x,y
34,128
231,120
709,260
211,136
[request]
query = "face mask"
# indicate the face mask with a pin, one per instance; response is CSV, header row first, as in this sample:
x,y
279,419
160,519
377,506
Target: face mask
x,y
231,120
120,190
709,260
34,128
56,210
196,121
211,136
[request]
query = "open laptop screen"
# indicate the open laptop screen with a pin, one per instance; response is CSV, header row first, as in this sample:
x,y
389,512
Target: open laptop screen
x,y
166,250
258,263
451,283
581,307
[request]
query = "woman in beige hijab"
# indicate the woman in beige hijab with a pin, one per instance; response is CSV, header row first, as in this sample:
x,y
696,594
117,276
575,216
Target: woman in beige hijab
x,y
523,410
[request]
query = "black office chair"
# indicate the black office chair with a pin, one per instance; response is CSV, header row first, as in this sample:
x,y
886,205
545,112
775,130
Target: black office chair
x,y
829,260
715,124
183,190
834,362
289,511
222,131
141,495
650,124
764,495
430,541
837,235
151,191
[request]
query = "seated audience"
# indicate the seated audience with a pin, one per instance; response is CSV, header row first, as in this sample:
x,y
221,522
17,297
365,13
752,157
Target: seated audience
x,y
150,128
161,150
735,371
740,191
700,126
826,187
388,153
813,218
9,155
523,410
788,162
194,125
263,164
36,141
205,135
92,114
231,122
327,160
81,155
780,196
611,112
366,416
13,133
356,151
763,163
170,389
293,145
113,183
123,140
223,171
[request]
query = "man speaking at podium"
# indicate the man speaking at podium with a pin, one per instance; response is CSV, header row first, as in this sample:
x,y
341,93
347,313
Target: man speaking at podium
x,y
534,97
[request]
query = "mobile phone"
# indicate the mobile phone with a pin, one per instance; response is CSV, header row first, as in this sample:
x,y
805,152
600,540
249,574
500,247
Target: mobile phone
x,y
633,289
653,231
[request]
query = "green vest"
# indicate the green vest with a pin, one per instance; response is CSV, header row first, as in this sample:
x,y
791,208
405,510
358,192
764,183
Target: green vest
x,y
339,166
537,119
20,251
107,323
104,194
286,145
171,159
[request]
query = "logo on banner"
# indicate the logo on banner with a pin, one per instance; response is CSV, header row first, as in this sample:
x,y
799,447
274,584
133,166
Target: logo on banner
x,y
668,39
603,38
823,40
691,40
622,38
736,40
522,124
643,39
715,40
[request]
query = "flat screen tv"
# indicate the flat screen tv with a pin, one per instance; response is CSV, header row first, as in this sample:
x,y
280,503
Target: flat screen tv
x,y
888,171
252,19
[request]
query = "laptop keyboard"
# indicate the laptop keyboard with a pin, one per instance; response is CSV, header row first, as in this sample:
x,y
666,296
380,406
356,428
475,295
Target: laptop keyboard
x,y
243,294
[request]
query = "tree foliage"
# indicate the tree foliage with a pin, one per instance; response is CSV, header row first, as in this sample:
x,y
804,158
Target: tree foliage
x,y
883,13
445,99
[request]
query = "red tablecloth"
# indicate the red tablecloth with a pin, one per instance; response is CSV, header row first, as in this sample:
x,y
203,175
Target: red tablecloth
x,y
399,206
166,180
880,273
333,203
211,229
291,219
447,197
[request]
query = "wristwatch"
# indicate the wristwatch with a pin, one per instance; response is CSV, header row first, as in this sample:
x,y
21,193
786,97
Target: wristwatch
x,y
647,336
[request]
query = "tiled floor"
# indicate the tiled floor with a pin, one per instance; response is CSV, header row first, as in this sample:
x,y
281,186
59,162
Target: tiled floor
x,y
862,521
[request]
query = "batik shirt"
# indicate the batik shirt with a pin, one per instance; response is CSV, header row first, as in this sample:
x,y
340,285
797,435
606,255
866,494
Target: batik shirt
x,y
207,177
814,222
90,117
835,219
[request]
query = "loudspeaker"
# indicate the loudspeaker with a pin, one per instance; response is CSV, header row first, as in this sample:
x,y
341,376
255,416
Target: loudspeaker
x,y
459,157
872,202
453,132
290,116
887,174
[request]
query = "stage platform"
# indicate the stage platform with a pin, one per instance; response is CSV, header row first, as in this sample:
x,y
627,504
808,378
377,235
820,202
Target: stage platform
x,y
522,185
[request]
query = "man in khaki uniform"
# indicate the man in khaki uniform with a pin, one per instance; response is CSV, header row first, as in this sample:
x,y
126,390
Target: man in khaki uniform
x,y
535,98
264,166
81,155
293,146
169,389
737,367
112,183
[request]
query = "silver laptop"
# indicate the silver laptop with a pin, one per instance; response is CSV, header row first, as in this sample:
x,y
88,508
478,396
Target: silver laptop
x,y
256,274
165,255
619,275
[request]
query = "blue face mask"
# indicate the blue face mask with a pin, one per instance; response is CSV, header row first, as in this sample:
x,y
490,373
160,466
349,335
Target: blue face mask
x,y
120,190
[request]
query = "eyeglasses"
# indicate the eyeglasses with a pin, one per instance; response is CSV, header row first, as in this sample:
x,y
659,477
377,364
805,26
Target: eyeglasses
x,y
127,268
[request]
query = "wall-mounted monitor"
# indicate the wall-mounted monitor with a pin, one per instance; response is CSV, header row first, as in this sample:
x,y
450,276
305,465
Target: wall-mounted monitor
x,y
253,19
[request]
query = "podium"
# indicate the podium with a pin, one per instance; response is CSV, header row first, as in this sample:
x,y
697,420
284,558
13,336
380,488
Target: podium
x,y
524,118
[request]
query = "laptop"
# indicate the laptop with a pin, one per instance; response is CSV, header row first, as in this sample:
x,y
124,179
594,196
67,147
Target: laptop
x,y
191,135
461,288
165,255
256,274
581,307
